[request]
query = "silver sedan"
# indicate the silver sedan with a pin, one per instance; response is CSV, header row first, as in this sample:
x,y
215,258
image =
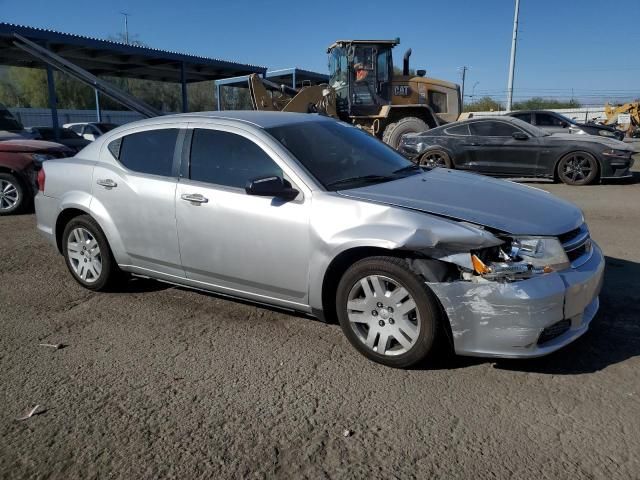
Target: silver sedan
x,y
313,215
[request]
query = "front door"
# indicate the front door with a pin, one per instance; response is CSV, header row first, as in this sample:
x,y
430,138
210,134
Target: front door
x,y
237,243
495,151
138,194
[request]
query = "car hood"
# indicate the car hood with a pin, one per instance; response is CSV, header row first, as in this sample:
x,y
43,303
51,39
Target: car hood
x,y
493,203
605,141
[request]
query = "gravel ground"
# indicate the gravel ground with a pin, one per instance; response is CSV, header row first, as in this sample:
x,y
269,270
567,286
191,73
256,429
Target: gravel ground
x,y
164,382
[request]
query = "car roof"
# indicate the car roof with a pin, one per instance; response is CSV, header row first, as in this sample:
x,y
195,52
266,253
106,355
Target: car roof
x,y
259,119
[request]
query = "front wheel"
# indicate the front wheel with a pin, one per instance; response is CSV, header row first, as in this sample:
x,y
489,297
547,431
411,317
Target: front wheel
x,y
436,158
87,254
578,168
387,312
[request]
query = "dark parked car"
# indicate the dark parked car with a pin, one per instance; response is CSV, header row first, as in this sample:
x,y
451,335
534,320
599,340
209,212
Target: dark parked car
x,y
506,146
66,137
20,161
553,122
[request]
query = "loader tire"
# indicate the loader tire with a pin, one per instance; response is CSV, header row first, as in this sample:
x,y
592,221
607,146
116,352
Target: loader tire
x,y
394,131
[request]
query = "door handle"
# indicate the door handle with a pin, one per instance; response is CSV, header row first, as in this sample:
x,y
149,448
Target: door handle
x,y
194,198
107,182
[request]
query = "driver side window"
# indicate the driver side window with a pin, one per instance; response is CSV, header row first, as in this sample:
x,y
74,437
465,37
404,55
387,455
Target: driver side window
x,y
227,159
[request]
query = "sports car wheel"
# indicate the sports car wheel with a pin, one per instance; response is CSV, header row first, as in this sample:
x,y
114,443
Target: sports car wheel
x,y
578,168
436,158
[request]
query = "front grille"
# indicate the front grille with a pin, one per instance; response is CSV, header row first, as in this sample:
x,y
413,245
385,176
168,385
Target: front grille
x,y
577,244
554,331
576,253
565,237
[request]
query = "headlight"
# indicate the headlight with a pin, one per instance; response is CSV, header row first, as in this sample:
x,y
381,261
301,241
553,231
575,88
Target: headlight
x,y
612,152
528,256
606,133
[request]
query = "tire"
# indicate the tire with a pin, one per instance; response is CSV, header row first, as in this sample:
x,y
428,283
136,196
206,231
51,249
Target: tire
x,y
368,321
87,254
578,168
436,158
394,131
12,195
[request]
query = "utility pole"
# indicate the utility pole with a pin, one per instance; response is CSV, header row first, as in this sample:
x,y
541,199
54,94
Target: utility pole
x,y
512,63
126,26
473,90
463,69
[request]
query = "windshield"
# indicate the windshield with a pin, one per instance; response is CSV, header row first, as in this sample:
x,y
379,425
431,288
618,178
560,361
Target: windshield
x,y
340,156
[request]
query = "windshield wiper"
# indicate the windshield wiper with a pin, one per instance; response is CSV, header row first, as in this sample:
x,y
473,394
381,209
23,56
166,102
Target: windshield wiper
x,y
363,179
408,168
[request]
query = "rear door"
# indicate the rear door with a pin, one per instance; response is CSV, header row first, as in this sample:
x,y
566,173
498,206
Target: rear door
x,y
238,243
135,188
493,149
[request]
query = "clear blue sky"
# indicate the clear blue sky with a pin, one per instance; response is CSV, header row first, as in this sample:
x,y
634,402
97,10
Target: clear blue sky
x,y
590,46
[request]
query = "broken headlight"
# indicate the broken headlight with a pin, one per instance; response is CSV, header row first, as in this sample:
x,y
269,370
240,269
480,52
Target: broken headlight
x,y
520,258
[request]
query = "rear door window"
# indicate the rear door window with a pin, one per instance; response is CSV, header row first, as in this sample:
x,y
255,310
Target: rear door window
x,y
546,120
492,129
458,130
227,159
525,117
147,152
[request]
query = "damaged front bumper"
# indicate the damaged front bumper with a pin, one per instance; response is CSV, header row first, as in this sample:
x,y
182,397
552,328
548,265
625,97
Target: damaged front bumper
x,y
527,318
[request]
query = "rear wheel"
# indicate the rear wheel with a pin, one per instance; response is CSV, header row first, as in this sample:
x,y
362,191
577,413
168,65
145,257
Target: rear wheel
x,y
436,158
87,254
578,168
12,194
394,131
387,312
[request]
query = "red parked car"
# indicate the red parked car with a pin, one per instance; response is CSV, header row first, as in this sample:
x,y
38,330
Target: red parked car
x,y
20,160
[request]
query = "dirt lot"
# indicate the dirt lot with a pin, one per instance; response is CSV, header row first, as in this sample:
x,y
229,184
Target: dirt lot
x,y
163,382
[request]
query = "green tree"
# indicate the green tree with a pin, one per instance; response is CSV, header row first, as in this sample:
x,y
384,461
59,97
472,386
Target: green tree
x,y
484,104
539,103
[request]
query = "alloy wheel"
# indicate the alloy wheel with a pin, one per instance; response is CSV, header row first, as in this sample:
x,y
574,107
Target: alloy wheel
x,y
433,160
577,168
9,195
383,315
84,255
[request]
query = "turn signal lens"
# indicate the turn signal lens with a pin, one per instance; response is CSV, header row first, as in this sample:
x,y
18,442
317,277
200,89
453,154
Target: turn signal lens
x,y
479,267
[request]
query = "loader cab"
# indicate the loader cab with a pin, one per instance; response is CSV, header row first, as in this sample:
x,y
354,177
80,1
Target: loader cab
x,y
360,72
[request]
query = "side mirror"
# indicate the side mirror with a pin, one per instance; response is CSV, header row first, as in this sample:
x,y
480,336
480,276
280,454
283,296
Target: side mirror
x,y
520,136
89,136
272,186
564,124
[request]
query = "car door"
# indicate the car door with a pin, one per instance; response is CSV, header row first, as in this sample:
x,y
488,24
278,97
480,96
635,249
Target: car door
x,y
134,186
495,151
237,243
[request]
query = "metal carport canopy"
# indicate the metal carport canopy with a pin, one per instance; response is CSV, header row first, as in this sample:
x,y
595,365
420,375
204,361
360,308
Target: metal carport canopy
x,y
104,57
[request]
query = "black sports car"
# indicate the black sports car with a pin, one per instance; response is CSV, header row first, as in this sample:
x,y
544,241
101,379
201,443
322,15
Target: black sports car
x,y
506,146
554,122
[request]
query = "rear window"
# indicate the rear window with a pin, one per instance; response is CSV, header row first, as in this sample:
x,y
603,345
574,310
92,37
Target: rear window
x,y
147,152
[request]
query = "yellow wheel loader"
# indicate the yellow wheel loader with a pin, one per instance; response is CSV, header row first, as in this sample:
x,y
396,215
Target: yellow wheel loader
x,y
631,128
363,90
